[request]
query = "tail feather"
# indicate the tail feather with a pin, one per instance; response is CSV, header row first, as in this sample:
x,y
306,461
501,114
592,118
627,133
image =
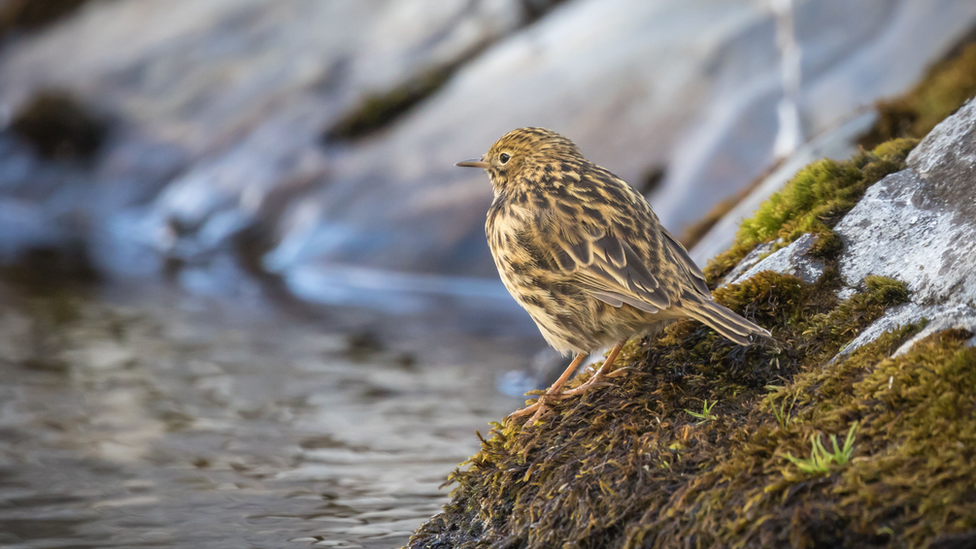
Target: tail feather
x,y
726,322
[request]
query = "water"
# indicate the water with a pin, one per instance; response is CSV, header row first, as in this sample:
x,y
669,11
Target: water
x,y
178,421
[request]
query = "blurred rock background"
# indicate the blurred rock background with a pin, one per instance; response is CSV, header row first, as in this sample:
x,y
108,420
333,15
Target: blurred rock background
x,y
315,141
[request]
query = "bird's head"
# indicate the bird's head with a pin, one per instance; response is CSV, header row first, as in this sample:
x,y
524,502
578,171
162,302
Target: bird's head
x,y
526,156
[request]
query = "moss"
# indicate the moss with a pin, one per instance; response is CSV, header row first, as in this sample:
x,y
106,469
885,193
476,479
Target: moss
x,y
33,14
812,202
379,109
944,89
57,126
627,466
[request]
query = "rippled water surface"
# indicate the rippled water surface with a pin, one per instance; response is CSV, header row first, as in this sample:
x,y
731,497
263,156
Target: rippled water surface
x,y
163,424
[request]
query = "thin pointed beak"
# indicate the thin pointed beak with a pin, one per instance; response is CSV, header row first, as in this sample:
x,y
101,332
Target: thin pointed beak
x,y
473,163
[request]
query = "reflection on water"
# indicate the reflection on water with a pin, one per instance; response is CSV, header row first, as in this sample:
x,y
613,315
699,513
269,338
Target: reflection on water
x,y
154,425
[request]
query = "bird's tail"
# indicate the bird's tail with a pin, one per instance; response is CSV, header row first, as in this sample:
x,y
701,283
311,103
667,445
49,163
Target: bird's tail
x,y
725,321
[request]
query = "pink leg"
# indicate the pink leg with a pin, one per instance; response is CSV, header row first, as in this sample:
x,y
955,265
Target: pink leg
x,y
553,391
600,374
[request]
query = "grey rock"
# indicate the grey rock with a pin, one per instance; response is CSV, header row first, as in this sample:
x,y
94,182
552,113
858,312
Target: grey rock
x,y
794,259
846,293
222,103
637,85
925,216
837,144
918,226
755,256
218,107
938,317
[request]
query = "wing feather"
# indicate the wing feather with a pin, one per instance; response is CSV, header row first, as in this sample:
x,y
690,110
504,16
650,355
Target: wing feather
x,y
605,266
690,267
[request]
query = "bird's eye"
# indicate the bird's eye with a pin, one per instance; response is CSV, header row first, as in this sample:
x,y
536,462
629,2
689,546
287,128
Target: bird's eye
x,y
503,158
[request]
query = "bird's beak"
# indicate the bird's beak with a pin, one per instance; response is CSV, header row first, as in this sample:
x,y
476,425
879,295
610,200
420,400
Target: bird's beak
x,y
473,163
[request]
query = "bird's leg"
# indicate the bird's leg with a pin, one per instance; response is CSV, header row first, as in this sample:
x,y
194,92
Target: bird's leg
x,y
554,391
600,374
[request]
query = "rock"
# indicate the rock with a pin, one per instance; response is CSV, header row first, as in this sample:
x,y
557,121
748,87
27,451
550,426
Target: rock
x,y
223,103
757,254
937,317
794,259
837,144
919,226
645,97
218,113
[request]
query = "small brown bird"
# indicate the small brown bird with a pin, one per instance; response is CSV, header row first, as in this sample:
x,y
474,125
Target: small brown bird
x,y
586,256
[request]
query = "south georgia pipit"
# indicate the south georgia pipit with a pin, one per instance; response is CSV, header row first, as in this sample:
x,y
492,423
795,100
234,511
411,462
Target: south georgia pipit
x,y
585,255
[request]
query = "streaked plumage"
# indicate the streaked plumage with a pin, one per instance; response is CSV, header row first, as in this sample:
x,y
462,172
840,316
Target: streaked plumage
x,y
584,253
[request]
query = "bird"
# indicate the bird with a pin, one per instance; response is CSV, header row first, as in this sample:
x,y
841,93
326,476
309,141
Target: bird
x,y
585,255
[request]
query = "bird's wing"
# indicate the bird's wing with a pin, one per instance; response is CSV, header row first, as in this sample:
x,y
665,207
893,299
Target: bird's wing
x,y
603,264
690,267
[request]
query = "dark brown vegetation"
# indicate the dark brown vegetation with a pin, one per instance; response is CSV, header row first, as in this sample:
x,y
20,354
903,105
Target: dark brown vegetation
x,y
712,444
57,126
33,14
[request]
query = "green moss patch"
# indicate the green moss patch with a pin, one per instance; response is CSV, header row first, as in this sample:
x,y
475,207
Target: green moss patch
x,y
944,89
813,202
380,109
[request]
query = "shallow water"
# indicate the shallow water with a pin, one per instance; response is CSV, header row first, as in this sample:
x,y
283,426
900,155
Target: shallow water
x,y
162,424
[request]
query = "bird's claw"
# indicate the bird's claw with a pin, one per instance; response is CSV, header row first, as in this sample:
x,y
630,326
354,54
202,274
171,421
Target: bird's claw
x,y
525,411
585,388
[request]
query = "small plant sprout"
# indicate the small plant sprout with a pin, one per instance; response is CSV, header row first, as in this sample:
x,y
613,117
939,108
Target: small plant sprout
x,y
820,458
706,413
781,412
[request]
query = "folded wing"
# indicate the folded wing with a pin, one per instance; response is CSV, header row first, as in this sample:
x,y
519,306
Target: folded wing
x,y
605,265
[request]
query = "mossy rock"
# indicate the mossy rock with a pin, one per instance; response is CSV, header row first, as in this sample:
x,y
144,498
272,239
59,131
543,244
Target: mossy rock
x,y
944,89
645,462
813,201
697,442
378,110
700,442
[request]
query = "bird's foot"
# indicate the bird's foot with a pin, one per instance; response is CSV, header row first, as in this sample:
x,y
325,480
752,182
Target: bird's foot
x,y
592,383
527,410
598,380
539,407
620,372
